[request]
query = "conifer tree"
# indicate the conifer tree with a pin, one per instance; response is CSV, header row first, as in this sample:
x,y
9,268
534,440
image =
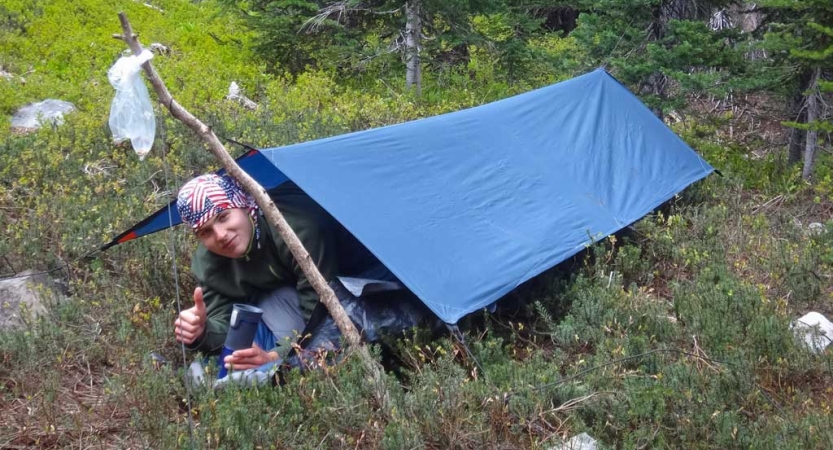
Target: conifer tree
x,y
349,35
649,43
798,36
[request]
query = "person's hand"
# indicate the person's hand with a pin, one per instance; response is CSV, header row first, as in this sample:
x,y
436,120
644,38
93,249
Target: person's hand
x,y
190,325
249,358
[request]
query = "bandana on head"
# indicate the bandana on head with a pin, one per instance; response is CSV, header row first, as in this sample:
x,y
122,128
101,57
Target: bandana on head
x,y
207,195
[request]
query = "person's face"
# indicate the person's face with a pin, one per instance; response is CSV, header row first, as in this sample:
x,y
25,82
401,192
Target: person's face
x,y
228,233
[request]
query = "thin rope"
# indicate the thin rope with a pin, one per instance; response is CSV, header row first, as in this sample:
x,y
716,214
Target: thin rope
x,y
64,266
458,335
245,146
172,250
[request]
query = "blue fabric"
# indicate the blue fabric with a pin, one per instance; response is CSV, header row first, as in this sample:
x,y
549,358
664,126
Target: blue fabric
x,y
466,206
264,338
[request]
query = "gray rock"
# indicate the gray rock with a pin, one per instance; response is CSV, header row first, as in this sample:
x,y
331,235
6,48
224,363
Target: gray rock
x,y
196,375
26,297
35,115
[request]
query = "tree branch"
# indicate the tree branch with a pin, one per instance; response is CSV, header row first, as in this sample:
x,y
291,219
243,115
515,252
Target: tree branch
x,y
275,218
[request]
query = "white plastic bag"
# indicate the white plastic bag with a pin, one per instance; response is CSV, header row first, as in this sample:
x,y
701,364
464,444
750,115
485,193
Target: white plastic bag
x,y
131,113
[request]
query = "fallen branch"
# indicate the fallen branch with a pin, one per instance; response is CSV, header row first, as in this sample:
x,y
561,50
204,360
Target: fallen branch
x,y
275,218
777,200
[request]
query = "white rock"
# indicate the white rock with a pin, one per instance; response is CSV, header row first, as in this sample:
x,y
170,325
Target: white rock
x,y
815,329
815,228
35,115
581,441
233,89
234,94
153,7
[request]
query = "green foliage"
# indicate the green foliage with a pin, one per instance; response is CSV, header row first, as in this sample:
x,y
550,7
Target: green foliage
x,y
510,37
710,292
67,46
362,41
281,41
800,39
801,30
654,46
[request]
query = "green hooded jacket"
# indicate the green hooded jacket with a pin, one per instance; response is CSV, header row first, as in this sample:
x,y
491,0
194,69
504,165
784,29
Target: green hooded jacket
x,y
266,266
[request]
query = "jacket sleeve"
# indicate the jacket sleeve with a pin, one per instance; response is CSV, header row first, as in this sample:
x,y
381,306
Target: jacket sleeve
x,y
218,312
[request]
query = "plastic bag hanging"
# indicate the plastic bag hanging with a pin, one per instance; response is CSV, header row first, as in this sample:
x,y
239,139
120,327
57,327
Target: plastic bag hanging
x,y
131,113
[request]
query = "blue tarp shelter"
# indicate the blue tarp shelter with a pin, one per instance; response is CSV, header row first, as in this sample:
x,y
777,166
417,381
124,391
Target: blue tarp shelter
x,y
466,206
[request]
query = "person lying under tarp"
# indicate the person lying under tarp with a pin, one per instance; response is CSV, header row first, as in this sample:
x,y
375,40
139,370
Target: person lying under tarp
x,y
241,259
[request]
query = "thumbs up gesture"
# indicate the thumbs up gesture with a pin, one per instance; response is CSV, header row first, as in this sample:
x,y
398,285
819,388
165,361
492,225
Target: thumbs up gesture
x,y
190,325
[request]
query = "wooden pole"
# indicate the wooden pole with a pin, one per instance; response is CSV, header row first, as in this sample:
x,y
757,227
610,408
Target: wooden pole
x,y
275,218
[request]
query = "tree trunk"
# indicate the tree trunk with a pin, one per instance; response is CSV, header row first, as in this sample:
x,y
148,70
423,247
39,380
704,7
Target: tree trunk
x,y
797,139
325,293
413,31
813,105
798,113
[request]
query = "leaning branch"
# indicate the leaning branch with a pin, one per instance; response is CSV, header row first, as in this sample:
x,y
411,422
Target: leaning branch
x,y
275,218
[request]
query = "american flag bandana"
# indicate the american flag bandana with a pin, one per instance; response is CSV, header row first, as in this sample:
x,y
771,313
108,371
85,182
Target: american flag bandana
x,y
205,196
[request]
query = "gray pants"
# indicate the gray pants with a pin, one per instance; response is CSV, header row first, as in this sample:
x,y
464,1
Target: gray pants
x,y
282,312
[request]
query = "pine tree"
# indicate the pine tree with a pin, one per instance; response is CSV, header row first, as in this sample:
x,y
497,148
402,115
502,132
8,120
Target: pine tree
x,y
350,35
798,36
649,43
